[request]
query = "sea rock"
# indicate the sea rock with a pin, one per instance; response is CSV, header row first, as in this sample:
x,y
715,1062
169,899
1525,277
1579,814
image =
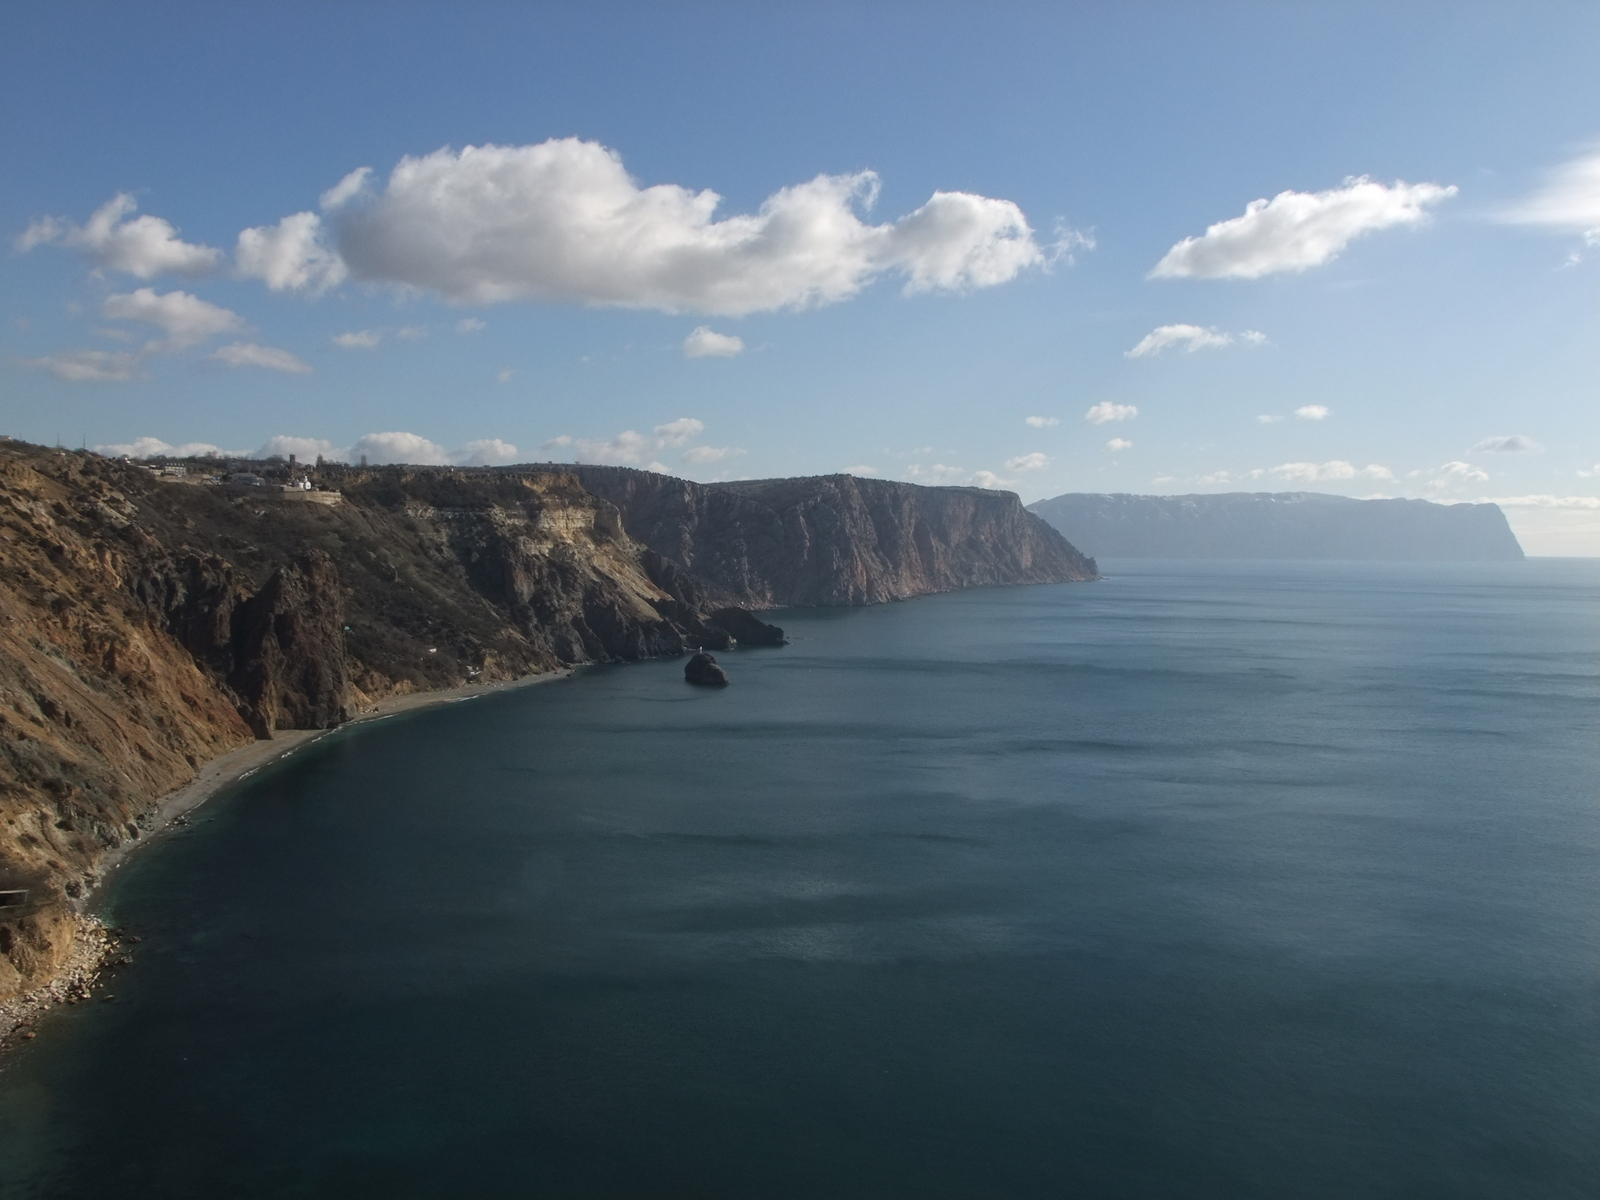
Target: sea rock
x,y
747,629
704,672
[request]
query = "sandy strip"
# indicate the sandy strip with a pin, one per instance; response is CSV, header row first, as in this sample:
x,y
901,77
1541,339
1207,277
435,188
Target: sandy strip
x,y
173,809
98,946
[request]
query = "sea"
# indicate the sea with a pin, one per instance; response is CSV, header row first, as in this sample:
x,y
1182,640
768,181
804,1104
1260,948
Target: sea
x,y
1222,880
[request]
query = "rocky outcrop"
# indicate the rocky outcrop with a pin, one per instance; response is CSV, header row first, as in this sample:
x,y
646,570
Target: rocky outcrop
x,y
747,629
1280,525
702,671
836,539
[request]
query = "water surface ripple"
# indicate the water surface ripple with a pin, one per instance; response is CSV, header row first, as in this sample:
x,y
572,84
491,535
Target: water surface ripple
x,y
1231,881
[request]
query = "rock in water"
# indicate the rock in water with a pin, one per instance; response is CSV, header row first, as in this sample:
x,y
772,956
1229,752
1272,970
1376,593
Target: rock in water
x,y
748,629
703,670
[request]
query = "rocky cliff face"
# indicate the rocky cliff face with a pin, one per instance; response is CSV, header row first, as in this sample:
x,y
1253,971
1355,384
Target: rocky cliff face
x,y
147,625
836,539
1280,525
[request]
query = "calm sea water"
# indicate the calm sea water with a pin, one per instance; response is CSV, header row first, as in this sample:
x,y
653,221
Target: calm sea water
x,y
1209,880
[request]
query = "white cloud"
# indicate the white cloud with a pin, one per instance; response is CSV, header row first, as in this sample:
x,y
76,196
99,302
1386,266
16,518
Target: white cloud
x,y
676,433
187,320
90,366
290,256
988,479
1107,411
505,374
710,454
412,333
360,339
1304,472
1253,337
860,470
940,473
1295,231
562,220
1513,444
248,354
1312,412
346,189
151,447
1213,479
486,452
1116,444
1579,502
1028,462
705,342
144,246
1191,337
304,449
397,446
469,325
1455,474
1041,422
1569,200
1269,419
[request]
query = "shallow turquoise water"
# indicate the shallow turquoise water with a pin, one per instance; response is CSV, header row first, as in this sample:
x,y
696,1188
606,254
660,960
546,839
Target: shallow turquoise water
x,y
1209,880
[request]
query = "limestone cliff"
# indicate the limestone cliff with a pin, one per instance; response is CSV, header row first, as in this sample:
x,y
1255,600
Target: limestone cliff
x,y
148,624
836,539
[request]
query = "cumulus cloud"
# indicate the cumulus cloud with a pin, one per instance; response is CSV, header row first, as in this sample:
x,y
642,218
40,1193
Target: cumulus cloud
x,y
1305,472
1295,231
988,479
563,220
397,446
631,448
705,342
304,449
153,447
1041,422
90,366
485,452
1190,337
143,246
249,354
1569,201
291,256
346,189
710,454
1512,444
1116,444
1312,412
1108,411
1028,462
940,473
187,320
360,339
1269,418
1455,474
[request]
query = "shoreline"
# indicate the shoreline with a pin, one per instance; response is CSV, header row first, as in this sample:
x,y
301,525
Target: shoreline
x,y
98,946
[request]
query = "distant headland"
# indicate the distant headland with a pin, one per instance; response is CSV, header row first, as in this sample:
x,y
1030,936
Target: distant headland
x,y
1280,525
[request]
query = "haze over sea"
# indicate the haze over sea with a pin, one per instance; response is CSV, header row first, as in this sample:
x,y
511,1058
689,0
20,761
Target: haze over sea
x,y
1209,880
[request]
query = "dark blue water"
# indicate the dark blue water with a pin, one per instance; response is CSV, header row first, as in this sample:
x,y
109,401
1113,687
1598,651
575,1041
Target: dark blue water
x,y
1209,880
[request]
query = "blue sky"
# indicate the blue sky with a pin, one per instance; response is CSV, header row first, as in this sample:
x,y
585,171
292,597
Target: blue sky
x,y
1030,166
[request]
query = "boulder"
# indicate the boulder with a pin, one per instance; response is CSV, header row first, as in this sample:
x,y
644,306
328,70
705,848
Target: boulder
x,y
748,629
703,670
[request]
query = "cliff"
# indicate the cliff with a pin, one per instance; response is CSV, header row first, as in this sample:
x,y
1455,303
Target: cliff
x,y
1304,525
836,539
148,624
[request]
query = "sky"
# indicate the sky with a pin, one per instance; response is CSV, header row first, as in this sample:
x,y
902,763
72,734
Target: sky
x,y
1157,248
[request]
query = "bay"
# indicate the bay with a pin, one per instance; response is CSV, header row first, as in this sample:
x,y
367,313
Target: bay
x,y
1224,880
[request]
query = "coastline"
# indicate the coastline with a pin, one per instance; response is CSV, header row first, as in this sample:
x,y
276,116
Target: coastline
x,y
97,946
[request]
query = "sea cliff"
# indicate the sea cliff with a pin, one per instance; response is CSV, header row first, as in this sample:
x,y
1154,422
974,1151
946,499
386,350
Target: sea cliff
x,y
149,624
1307,525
